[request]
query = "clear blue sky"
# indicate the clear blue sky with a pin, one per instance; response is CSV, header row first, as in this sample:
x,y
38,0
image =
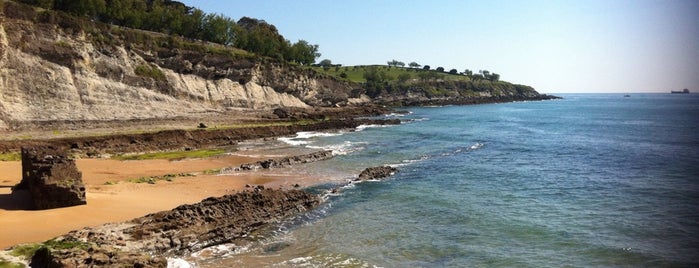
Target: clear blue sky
x,y
554,46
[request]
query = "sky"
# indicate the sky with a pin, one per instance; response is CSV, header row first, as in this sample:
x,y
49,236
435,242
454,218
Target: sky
x,y
565,46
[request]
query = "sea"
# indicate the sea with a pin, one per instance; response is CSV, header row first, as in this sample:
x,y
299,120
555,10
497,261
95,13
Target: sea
x,y
590,180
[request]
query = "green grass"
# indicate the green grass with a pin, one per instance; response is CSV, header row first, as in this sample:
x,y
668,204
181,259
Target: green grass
x,y
13,156
150,71
212,171
301,122
154,179
173,155
26,251
356,73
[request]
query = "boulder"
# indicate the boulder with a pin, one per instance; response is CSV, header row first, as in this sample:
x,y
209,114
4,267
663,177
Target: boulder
x,y
285,162
374,173
52,179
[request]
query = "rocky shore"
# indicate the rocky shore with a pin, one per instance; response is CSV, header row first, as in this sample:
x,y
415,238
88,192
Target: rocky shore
x,y
149,240
184,139
146,241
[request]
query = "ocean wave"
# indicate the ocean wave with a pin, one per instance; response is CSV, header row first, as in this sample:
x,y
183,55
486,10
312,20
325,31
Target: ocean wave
x,y
363,127
302,137
408,162
412,120
397,114
178,263
476,146
344,148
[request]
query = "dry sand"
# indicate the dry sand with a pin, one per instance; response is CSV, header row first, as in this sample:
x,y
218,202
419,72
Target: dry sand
x,y
124,200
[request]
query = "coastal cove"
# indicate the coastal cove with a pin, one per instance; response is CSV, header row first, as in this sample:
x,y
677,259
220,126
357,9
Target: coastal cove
x,y
195,134
589,180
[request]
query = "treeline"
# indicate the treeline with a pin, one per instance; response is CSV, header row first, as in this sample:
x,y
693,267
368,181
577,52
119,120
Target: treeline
x,y
482,74
176,18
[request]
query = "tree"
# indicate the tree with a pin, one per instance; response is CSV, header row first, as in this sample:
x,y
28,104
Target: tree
x,y
303,53
440,69
376,81
91,8
468,73
426,67
325,63
414,65
215,29
400,64
453,71
494,77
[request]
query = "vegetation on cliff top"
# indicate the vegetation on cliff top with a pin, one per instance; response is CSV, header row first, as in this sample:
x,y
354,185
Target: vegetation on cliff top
x,y
175,18
394,80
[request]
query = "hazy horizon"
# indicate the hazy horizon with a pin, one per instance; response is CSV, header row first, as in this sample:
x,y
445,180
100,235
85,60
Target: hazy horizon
x,y
553,46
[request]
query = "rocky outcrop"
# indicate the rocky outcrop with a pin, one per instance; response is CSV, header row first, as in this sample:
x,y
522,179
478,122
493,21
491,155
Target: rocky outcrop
x,y
188,228
179,139
52,179
375,173
284,162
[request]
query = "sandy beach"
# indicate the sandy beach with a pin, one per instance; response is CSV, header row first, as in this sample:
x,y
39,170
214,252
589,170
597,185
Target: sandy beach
x,y
121,200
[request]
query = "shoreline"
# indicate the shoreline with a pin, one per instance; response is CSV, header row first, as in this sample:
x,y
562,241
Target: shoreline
x,y
112,198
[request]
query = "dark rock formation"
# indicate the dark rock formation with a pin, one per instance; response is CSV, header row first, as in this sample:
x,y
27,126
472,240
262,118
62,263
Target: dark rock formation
x,y
374,173
188,228
281,113
96,256
177,139
53,180
285,162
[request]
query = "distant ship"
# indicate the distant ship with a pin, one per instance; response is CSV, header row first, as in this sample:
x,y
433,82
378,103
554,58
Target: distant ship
x,y
684,91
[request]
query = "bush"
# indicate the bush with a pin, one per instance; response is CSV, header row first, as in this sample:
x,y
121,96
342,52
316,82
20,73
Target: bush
x,y
150,71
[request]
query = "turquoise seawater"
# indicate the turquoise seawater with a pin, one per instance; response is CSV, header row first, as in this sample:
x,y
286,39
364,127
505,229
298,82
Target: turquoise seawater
x,y
586,181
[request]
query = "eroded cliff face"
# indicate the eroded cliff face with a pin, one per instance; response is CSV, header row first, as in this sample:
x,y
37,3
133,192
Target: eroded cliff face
x,y
52,73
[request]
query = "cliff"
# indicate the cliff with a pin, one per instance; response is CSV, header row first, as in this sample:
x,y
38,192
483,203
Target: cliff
x,y
54,67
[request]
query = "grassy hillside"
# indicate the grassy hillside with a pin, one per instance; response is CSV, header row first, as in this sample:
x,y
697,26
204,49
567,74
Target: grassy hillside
x,y
356,73
397,82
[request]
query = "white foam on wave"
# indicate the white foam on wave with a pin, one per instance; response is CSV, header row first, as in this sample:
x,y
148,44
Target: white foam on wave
x,y
220,251
363,127
299,260
397,114
416,120
178,263
302,137
408,162
344,148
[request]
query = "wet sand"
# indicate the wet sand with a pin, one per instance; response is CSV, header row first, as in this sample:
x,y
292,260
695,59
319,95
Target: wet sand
x,y
125,200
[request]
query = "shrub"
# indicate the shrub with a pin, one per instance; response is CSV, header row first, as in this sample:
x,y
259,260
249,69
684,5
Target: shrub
x,y
150,71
